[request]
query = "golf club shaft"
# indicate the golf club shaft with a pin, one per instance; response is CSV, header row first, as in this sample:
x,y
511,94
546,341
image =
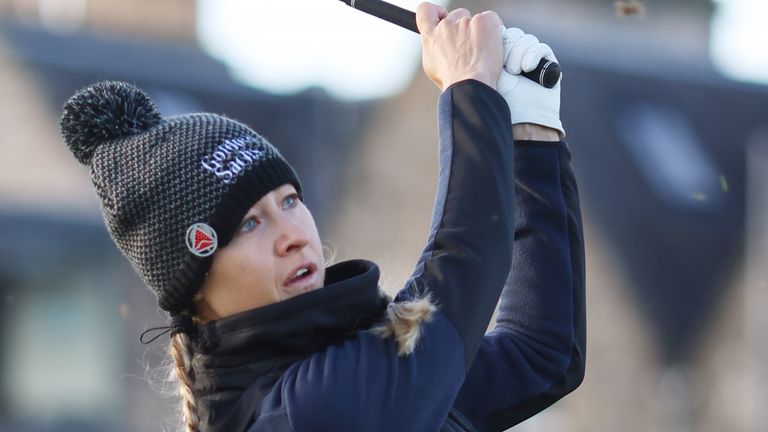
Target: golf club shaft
x,y
547,73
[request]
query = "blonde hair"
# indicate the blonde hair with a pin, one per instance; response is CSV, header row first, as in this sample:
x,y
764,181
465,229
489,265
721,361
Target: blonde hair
x,y
403,322
181,352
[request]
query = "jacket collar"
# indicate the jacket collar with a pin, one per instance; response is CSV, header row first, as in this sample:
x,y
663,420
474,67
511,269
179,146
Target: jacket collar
x,y
239,358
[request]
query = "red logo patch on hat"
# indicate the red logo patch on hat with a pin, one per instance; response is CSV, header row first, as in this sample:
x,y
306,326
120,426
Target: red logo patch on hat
x,y
201,239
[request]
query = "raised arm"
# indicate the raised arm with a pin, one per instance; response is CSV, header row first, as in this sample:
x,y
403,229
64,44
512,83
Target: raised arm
x,y
363,384
469,241
535,354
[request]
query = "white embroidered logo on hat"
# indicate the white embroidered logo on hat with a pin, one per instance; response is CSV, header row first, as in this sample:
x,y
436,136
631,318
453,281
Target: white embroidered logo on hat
x,y
201,239
231,158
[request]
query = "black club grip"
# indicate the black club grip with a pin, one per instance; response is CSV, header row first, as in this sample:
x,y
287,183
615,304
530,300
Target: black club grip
x,y
386,11
547,73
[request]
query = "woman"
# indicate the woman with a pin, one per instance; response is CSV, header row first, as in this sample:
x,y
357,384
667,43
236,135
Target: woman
x,y
266,339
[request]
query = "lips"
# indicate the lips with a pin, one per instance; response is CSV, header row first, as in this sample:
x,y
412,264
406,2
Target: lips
x,y
296,279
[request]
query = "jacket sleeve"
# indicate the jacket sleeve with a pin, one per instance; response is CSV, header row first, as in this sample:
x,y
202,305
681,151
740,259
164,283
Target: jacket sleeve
x,y
535,353
469,248
363,384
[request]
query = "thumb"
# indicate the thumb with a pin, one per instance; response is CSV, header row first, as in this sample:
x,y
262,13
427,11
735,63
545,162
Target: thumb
x,y
428,15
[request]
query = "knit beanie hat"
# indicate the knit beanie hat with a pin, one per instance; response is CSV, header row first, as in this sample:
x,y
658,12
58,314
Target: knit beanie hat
x,y
173,189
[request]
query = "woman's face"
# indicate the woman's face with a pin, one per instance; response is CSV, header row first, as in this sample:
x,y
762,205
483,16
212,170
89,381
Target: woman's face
x,y
274,255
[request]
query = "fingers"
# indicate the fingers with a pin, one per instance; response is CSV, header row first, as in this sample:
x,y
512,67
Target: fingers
x,y
519,49
458,14
523,52
510,37
547,53
490,22
534,54
493,16
457,45
428,15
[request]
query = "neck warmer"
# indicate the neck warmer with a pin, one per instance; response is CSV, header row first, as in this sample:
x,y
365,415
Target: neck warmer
x,y
239,358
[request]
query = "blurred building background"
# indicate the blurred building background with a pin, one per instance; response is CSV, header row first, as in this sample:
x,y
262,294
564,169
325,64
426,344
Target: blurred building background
x,y
671,156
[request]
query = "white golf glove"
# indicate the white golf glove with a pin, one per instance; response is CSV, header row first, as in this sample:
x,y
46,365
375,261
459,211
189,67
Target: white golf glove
x,y
528,101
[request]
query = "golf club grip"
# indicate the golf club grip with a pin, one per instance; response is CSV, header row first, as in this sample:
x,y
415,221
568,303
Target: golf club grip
x,y
386,11
547,73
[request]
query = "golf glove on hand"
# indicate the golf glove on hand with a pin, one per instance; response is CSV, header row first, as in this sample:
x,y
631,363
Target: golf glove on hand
x,y
528,101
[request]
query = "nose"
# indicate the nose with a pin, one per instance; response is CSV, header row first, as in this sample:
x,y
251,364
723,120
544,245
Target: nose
x,y
291,238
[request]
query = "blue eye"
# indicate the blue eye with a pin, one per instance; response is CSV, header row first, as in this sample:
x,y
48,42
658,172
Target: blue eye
x,y
248,225
290,201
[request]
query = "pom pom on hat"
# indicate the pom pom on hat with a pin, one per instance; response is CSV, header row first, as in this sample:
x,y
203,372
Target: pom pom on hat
x,y
102,112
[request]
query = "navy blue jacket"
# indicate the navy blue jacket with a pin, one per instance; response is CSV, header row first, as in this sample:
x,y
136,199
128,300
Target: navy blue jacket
x,y
307,363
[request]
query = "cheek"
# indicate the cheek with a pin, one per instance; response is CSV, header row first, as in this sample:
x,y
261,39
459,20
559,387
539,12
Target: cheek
x,y
249,268
315,243
310,228
243,275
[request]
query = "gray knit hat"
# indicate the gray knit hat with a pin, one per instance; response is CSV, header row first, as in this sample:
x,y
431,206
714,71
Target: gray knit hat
x,y
172,190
